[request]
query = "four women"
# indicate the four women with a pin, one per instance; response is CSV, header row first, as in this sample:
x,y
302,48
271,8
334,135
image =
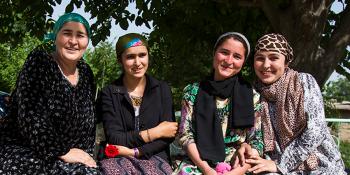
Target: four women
x,y
50,128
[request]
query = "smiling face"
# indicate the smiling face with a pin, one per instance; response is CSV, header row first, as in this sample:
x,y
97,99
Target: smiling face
x,y
228,59
135,61
269,66
71,41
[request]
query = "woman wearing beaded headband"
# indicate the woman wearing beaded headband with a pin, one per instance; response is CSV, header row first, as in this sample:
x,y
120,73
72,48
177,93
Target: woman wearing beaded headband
x,y
217,114
137,114
295,134
51,124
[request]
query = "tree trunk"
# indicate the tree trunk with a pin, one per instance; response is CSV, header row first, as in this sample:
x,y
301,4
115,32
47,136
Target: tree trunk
x,y
303,24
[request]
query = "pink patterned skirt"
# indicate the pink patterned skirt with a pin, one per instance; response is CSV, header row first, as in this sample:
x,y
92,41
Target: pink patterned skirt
x,y
130,165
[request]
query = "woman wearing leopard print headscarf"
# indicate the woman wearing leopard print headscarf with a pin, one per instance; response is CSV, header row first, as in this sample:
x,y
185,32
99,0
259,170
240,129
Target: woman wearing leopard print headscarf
x,y
295,134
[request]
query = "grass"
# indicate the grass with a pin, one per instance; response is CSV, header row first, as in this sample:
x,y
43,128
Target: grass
x,y
345,153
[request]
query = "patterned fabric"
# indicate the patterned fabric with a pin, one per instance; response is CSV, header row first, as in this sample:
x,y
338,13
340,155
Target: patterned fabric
x,y
130,40
287,94
136,103
314,140
232,138
3,105
275,43
133,166
48,117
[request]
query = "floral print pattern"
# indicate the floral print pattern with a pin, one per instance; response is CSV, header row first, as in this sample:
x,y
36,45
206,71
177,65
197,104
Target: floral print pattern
x,y
48,116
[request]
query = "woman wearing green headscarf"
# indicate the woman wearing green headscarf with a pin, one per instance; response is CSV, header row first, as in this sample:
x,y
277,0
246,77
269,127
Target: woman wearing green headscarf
x,y
50,128
137,114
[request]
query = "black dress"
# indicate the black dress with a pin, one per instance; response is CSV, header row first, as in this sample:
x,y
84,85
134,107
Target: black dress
x,y
48,116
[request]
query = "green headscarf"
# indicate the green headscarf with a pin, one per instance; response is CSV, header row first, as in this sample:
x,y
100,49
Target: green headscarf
x,y
68,17
129,40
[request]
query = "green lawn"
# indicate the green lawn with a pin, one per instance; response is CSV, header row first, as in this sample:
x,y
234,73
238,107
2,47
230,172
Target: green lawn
x,y
345,153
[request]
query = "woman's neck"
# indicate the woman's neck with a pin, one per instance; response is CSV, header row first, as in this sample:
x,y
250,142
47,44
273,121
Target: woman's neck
x,y
68,69
135,86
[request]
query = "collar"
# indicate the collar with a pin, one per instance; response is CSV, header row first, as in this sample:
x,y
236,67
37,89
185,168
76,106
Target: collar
x,y
120,88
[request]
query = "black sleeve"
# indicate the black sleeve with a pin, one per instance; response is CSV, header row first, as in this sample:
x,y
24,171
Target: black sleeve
x,y
113,122
33,109
159,145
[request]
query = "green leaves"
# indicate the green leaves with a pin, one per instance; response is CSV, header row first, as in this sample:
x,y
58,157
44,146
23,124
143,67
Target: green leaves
x,y
184,32
103,62
123,23
11,61
19,18
69,7
338,90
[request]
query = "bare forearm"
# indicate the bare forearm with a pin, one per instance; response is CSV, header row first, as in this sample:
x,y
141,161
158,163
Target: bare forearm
x,y
193,154
149,135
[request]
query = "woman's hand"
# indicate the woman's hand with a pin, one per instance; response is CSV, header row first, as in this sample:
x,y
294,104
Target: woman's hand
x,y
206,169
244,151
164,130
209,171
261,165
76,155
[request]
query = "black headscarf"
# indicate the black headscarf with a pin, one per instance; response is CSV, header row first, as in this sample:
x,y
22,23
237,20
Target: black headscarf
x,y
209,138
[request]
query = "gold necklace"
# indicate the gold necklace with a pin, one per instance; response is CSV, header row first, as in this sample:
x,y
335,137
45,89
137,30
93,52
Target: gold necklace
x,y
136,101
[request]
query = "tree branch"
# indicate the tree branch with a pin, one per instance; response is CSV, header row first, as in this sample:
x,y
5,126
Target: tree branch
x,y
340,39
242,3
271,12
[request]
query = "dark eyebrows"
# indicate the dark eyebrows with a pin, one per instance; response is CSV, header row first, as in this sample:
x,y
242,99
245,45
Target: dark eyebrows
x,y
82,33
223,49
143,53
136,54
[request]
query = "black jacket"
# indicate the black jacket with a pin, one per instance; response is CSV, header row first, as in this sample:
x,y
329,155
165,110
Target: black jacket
x,y
118,116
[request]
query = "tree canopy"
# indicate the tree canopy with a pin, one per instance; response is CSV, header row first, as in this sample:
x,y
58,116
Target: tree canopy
x,y
337,90
12,59
185,31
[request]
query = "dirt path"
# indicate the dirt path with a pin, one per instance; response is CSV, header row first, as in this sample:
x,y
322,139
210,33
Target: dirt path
x,y
344,132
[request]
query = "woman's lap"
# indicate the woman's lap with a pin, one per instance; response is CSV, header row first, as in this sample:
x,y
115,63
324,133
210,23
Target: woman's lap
x,y
16,159
131,165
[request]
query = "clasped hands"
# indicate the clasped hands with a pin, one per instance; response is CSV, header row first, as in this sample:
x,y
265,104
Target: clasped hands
x,y
251,156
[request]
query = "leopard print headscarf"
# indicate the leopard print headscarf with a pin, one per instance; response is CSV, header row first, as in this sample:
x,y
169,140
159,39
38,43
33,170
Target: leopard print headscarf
x,y
275,43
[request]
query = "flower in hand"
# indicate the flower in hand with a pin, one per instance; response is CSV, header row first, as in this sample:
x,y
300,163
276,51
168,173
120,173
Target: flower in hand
x,y
222,168
111,151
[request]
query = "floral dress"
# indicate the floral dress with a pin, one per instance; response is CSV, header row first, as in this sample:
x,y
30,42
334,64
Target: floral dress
x,y
47,117
232,138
